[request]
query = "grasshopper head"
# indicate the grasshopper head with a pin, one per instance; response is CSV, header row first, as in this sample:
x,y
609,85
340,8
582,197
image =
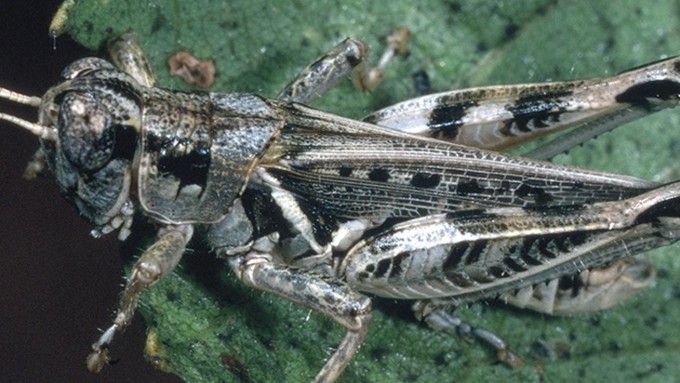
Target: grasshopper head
x,y
89,128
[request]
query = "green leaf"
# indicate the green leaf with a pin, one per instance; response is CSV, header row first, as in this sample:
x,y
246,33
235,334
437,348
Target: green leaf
x,y
213,329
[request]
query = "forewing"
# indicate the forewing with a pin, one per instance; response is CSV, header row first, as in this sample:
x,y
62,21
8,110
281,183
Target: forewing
x,y
358,170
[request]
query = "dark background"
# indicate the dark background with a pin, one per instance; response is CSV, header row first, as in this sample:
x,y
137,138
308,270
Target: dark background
x,y
58,285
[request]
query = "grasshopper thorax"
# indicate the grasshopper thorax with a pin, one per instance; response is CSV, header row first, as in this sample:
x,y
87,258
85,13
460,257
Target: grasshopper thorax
x,y
114,144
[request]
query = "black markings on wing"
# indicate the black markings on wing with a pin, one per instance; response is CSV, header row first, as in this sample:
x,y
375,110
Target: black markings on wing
x,y
537,193
425,180
379,175
472,187
345,171
370,174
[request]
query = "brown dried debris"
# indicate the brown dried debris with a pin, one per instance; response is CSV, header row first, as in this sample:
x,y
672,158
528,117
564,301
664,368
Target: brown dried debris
x,y
196,72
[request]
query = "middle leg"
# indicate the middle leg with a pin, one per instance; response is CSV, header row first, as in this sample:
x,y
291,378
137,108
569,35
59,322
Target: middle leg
x,y
336,300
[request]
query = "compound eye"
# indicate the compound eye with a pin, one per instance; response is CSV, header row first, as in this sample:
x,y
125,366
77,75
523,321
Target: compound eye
x,y
86,132
84,66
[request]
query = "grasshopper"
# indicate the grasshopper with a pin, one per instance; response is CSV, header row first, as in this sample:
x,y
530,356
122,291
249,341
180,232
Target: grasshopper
x,y
414,202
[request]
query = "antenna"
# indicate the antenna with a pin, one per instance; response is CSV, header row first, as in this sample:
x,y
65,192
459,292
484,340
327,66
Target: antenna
x,y
43,132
